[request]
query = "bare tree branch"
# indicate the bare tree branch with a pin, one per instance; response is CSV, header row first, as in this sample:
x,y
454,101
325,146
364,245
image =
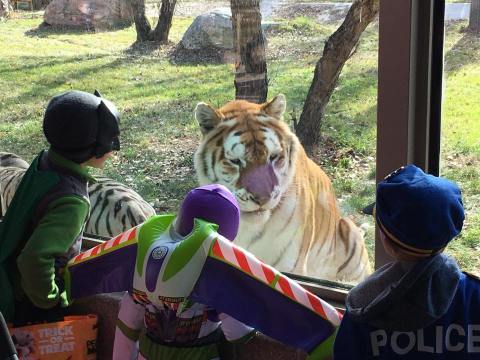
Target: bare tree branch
x,y
142,25
337,50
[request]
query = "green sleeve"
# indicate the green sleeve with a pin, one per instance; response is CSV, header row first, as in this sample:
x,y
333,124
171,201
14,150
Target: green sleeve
x,y
53,236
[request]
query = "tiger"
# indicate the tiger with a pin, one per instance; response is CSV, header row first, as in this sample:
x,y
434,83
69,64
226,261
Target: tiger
x,y
9,179
11,165
114,207
289,218
9,159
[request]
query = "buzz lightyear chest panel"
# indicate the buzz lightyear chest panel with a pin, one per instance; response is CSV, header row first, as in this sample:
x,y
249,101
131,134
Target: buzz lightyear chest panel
x,y
167,271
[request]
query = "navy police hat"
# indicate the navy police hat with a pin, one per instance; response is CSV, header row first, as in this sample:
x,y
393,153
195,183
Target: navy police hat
x,y
419,212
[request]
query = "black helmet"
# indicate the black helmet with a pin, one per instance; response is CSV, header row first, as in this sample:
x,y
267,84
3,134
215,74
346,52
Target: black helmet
x,y
79,125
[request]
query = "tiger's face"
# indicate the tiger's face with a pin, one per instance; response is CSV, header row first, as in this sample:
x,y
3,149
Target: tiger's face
x,y
248,148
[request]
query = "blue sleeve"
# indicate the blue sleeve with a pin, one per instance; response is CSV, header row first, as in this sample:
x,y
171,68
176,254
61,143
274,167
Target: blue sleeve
x,y
352,341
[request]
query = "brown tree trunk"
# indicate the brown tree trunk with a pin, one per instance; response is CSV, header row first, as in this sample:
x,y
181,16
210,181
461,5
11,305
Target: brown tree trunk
x,y
164,21
251,82
474,23
5,8
338,49
141,22
142,25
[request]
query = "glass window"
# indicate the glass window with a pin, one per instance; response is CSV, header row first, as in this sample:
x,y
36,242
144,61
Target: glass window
x,y
316,242
460,155
157,87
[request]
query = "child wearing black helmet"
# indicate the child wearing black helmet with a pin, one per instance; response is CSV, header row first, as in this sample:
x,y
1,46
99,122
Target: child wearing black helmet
x,y
42,228
421,306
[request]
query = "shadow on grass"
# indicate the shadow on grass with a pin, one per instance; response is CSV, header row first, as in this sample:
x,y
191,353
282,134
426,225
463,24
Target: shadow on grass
x,y
208,56
170,82
47,62
177,54
464,52
45,30
147,48
43,88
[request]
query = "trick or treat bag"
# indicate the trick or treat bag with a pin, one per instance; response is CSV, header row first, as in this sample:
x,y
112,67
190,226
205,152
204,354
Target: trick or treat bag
x,y
74,338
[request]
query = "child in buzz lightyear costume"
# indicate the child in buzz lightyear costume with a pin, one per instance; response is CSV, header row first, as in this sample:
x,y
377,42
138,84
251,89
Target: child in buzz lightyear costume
x,y
189,286
174,327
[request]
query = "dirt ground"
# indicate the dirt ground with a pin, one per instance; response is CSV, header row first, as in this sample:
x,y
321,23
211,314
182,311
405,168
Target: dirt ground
x,y
285,9
195,8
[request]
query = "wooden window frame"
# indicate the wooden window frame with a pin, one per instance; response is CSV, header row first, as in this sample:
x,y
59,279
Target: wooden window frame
x,y
409,112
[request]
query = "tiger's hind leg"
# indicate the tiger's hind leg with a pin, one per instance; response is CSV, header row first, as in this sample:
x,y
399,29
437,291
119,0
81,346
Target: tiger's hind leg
x,y
354,265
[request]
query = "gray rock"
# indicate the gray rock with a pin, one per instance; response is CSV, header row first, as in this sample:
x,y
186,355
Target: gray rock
x,y
91,14
213,30
210,30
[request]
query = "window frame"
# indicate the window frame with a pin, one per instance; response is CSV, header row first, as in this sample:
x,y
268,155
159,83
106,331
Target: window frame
x,y
409,116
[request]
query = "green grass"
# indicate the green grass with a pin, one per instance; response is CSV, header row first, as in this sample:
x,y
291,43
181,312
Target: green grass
x,y
157,96
461,136
349,1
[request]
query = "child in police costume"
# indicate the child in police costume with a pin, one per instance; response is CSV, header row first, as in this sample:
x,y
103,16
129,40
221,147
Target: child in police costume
x,y
421,306
42,228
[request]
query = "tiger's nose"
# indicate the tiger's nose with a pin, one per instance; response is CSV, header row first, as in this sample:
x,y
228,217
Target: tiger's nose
x,y
260,182
260,199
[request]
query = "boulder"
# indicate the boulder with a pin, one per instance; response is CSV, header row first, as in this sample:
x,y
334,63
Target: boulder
x,y
211,30
91,14
5,8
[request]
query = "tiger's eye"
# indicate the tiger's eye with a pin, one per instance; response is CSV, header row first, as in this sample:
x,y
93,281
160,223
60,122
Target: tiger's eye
x,y
273,157
236,162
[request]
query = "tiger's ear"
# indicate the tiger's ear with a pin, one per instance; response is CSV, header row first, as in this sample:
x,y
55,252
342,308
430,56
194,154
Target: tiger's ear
x,y
208,118
276,107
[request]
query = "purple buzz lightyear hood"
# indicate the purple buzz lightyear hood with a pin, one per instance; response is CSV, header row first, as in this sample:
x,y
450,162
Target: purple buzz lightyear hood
x,y
213,203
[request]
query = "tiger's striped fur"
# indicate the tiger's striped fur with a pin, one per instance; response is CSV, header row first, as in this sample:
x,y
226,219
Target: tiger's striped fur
x,y
289,214
9,159
115,207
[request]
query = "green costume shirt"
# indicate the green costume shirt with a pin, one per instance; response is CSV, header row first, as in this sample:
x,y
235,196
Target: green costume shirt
x,y
34,250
